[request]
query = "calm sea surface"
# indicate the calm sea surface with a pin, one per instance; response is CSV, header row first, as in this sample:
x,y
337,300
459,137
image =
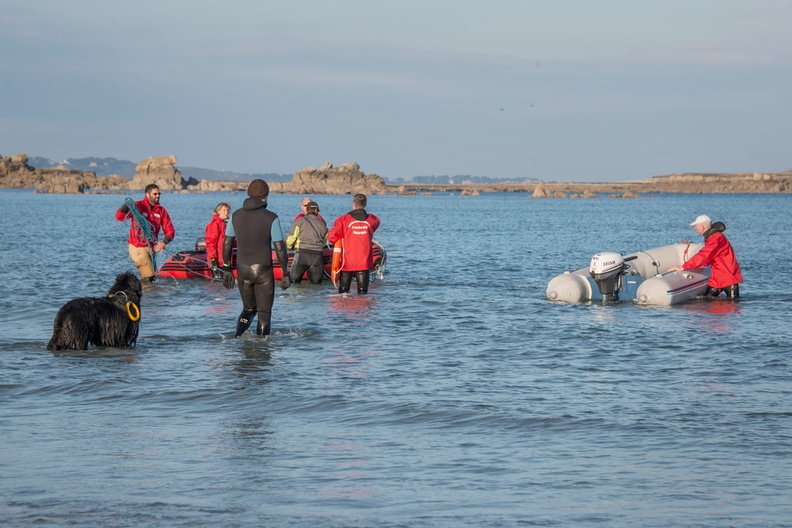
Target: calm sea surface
x,y
453,395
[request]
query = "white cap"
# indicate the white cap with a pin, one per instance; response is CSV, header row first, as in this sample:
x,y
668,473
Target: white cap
x,y
702,220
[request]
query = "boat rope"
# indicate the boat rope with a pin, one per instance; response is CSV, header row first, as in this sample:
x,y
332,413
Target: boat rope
x,y
654,262
168,254
144,226
685,253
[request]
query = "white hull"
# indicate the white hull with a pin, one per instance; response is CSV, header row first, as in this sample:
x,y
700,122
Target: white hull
x,y
645,281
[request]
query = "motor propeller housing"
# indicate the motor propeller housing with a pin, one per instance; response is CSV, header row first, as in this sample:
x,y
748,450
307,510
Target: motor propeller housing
x,y
606,269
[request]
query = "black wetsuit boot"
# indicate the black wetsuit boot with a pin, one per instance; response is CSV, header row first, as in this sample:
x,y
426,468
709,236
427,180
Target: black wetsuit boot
x,y
243,322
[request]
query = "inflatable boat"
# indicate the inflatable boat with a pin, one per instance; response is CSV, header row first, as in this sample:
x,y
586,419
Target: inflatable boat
x,y
193,263
641,277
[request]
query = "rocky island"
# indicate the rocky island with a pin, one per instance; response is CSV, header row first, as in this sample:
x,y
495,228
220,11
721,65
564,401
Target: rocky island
x,y
15,172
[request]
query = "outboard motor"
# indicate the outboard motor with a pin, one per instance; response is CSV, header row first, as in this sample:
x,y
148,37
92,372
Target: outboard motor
x,y
606,270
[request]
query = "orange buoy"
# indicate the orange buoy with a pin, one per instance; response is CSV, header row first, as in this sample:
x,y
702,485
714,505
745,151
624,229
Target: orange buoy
x,y
335,265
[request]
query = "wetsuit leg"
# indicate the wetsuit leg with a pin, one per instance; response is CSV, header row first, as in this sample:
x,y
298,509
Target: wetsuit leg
x,y
262,329
712,292
362,279
264,289
732,291
315,271
298,268
344,281
245,278
243,322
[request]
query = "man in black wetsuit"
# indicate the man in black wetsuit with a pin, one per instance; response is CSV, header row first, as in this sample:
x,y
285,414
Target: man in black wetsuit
x,y
256,231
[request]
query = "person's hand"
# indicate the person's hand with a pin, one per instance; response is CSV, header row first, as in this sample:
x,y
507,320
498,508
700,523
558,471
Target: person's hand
x,y
159,246
228,279
676,268
285,282
217,273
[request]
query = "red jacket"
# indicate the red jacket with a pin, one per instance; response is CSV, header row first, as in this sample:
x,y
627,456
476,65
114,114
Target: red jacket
x,y
215,237
357,229
719,255
303,214
158,218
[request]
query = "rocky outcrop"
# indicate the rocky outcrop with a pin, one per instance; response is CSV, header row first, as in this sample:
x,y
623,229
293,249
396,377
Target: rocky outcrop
x,y
162,171
215,186
16,173
540,191
346,179
753,182
15,167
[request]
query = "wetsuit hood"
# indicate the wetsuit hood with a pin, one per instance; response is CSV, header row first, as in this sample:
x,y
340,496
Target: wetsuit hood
x,y
358,214
717,227
254,203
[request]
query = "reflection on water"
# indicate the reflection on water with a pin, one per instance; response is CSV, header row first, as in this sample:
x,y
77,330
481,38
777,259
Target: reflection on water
x,y
348,363
353,305
718,316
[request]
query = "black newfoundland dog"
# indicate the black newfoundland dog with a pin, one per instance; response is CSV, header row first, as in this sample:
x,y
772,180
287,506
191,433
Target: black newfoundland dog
x,y
110,321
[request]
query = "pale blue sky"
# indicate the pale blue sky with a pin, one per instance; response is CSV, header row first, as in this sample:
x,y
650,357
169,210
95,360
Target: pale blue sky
x,y
570,90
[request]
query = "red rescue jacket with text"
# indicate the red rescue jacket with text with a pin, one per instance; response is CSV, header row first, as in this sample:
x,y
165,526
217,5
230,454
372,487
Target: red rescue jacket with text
x,y
719,255
158,218
357,229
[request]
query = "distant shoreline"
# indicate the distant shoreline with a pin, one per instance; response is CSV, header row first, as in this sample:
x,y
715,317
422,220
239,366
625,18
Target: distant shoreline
x,y
689,183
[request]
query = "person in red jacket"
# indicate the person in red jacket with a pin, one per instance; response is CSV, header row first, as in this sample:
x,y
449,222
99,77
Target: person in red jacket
x,y
719,255
356,228
142,249
303,205
214,235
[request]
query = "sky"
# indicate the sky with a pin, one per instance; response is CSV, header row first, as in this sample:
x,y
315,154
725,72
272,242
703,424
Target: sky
x,y
568,90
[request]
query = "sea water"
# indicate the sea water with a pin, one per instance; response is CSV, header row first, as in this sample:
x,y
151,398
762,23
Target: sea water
x,y
453,395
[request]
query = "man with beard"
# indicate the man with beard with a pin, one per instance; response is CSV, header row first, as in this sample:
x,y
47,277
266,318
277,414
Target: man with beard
x,y
143,243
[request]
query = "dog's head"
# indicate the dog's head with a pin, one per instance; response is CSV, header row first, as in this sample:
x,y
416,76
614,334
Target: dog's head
x,y
128,283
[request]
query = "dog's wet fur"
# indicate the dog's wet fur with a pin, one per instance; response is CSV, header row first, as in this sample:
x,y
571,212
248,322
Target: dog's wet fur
x,y
101,321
